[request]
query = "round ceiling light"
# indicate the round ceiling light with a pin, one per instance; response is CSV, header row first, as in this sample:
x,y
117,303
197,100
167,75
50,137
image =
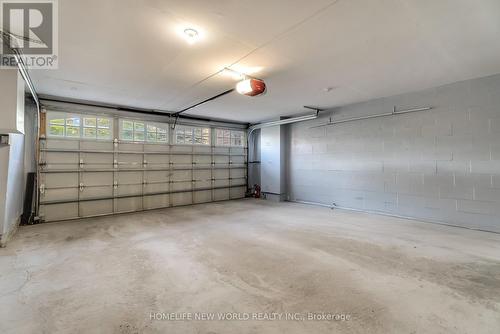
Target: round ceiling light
x,y
191,35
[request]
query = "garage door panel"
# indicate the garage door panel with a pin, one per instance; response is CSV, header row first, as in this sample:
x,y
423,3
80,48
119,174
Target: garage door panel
x,y
237,192
202,149
221,174
61,194
221,183
202,184
130,147
58,180
182,175
205,174
238,173
238,182
130,160
62,144
181,186
62,158
96,145
221,194
221,150
129,178
129,204
237,151
157,176
181,149
156,148
59,211
93,208
202,196
181,160
202,160
221,159
182,199
96,178
129,189
96,192
238,160
156,201
157,159
156,188
97,158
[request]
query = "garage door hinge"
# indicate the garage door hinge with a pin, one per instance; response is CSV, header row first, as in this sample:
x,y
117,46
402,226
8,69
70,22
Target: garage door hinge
x,y
115,163
81,186
115,184
42,188
81,163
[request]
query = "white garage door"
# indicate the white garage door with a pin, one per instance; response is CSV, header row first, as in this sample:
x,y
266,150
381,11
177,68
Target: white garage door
x,y
101,164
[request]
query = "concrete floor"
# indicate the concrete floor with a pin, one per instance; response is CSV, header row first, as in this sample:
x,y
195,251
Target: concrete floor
x,y
251,257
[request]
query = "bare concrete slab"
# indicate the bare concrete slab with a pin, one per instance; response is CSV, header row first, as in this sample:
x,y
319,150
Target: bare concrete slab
x,y
250,258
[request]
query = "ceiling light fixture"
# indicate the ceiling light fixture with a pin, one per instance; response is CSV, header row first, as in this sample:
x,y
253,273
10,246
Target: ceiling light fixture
x,y
191,35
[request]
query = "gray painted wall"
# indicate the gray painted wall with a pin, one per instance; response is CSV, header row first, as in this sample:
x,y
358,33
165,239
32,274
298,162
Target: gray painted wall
x,y
272,162
13,181
16,160
440,165
254,159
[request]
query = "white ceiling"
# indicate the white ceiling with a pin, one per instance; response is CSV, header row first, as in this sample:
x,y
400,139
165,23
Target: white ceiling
x,y
127,52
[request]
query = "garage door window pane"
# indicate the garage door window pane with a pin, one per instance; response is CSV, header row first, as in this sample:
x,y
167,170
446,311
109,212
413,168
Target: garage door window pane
x,y
138,136
162,137
138,126
89,133
237,138
127,135
151,137
89,122
230,138
63,124
104,123
127,125
73,121
56,130
188,137
59,121
103,134
72,132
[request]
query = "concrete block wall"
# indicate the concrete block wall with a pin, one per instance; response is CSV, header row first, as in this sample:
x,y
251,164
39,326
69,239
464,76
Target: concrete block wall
x,y
441,165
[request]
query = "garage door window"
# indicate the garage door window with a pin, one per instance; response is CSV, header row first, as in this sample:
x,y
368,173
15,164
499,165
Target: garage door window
x,y
61,124
97,128
140,131
230,138
189,135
